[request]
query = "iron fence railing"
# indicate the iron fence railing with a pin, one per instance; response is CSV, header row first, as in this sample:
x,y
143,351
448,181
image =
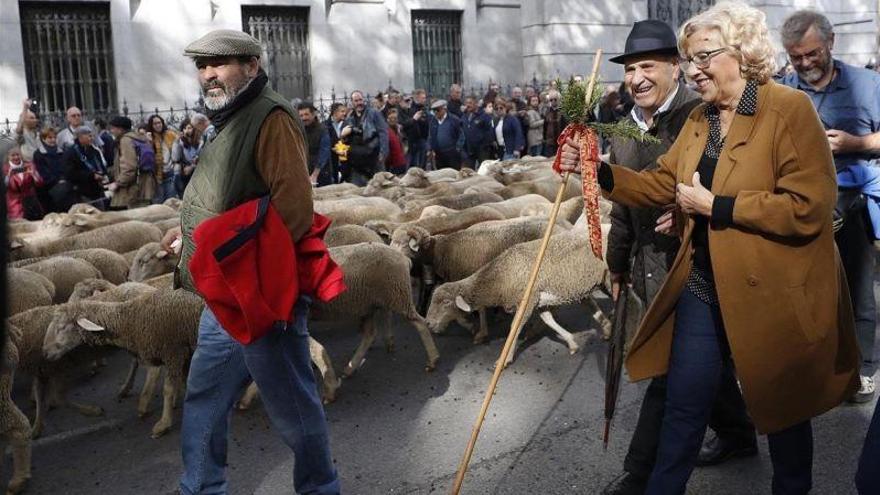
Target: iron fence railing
x,y
174,115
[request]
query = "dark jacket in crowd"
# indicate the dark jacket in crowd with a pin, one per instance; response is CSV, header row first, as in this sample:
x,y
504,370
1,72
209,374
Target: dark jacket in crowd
x,y
478,131
56,194
444,136
415,130
632,235
454,107
514,140
81,164
554,123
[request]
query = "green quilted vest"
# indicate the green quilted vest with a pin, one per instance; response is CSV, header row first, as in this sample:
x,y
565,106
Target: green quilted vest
x,y
227,174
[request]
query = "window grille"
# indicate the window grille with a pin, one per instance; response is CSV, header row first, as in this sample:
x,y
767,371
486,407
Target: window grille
x,y
675,12
284,34
68,54
436,49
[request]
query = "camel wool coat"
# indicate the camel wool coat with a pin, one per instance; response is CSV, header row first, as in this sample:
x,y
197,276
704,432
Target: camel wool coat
x,y
780,283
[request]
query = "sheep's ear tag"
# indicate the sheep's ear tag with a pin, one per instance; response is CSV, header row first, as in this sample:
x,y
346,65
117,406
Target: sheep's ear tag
x,y
462,304
15,245
161,253
414,245
81,222
89,325
384,233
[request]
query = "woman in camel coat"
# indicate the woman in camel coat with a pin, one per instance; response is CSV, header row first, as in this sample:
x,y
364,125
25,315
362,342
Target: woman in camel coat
x,y
757,290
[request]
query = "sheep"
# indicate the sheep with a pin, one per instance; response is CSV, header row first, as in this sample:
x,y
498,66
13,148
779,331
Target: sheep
x,y
357,210
412,208
173,203
417,177
28,290
112,266
97,289
151,213
151,261
377,278
571,210
167,224
162,281
569,274
15,428
447,258
345,235
48,377
439,225
130,255
387,186
64,273
120,237
547,187
513,171
336,191
160,328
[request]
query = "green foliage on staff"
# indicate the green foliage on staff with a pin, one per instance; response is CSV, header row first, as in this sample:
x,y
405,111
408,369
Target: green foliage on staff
x,y
574,106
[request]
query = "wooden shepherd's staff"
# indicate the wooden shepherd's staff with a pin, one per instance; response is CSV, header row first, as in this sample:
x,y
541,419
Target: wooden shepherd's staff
x,y
520,310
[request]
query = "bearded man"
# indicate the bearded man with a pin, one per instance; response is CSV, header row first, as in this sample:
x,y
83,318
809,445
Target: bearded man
x,y
258,149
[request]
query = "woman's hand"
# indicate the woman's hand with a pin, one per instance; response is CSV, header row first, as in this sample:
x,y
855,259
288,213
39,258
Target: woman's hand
x,y
696,199
666,223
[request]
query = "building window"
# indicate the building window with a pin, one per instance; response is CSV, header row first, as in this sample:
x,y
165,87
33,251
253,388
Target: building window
x,y
68,56
675,12
436,49
284,34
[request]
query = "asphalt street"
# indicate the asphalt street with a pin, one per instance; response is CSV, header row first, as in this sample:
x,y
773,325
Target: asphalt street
x,y
397,429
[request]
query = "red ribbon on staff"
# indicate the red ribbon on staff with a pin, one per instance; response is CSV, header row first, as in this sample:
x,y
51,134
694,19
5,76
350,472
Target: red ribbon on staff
x,y
588,141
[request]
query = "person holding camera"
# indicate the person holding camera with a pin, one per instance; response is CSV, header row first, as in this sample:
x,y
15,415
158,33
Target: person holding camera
x,y
27,133
369,140
22,180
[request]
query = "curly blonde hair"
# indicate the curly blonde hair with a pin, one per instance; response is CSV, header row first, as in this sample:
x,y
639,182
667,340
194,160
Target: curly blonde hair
x,y
744,29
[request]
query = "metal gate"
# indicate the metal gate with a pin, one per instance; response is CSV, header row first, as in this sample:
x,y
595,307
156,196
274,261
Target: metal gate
x,y
68,54
436,49
284,34
675,12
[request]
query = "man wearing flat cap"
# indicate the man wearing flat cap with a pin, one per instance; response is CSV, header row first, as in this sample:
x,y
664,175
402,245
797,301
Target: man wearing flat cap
x,y
258,150
444,137
131,187
640,255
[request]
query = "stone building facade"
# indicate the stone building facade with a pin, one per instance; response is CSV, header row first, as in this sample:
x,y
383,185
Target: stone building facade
x,y
99,54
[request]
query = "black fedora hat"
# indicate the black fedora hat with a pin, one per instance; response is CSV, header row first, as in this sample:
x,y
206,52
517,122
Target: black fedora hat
x,y
651,36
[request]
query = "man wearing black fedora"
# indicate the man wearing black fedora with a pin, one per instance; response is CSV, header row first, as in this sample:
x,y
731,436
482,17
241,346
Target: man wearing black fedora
x,y
643,243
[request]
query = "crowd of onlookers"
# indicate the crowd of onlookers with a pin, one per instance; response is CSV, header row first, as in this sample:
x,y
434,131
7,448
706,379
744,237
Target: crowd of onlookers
x,y
106,163
395,131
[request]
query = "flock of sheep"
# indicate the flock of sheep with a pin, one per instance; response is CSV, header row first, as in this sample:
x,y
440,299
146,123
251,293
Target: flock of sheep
x,y
432,247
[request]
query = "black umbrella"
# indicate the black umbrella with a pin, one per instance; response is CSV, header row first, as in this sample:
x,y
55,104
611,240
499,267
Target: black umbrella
x,y
614,362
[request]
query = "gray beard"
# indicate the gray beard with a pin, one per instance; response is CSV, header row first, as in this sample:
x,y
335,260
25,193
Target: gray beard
x,y
217,103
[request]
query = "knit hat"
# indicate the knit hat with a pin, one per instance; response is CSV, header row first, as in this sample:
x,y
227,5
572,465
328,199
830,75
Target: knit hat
x,y
121,122
224,43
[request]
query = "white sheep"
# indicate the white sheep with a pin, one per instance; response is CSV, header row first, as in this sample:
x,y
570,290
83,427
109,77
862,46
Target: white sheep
x,y
167,224
345,235
547,187
357,210
418,177
569,274
151,261
439,225
336,191
49,378
160,328
112,265
120,237
173,203
412,208
27,290
64,273
15,428
377,278
162,281
151,213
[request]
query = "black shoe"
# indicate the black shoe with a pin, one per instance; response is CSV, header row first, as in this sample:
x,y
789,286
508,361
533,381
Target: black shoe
x,y
715,451
626,484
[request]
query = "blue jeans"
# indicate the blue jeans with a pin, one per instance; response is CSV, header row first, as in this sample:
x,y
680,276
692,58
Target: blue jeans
x,y
699,365
536,150
281,366
417,154
868,475
166,190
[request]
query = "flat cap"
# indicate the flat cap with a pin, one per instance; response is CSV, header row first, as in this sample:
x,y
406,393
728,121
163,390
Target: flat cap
x,y
121,122
437,104
224,43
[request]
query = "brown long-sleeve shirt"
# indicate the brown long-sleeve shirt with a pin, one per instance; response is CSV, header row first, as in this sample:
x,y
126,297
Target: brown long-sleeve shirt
x,y
282,161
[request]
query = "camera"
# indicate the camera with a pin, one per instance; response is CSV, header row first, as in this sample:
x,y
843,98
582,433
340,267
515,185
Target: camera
x,y
34,107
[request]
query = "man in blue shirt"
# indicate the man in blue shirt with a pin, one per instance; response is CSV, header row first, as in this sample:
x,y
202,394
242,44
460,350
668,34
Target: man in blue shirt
x,y
847,99
444,137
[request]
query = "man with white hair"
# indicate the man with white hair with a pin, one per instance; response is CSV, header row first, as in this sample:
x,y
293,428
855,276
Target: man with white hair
x,y
259,151
67,136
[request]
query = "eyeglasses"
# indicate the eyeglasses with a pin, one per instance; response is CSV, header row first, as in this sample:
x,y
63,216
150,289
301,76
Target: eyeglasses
x,y
812,55
701,59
